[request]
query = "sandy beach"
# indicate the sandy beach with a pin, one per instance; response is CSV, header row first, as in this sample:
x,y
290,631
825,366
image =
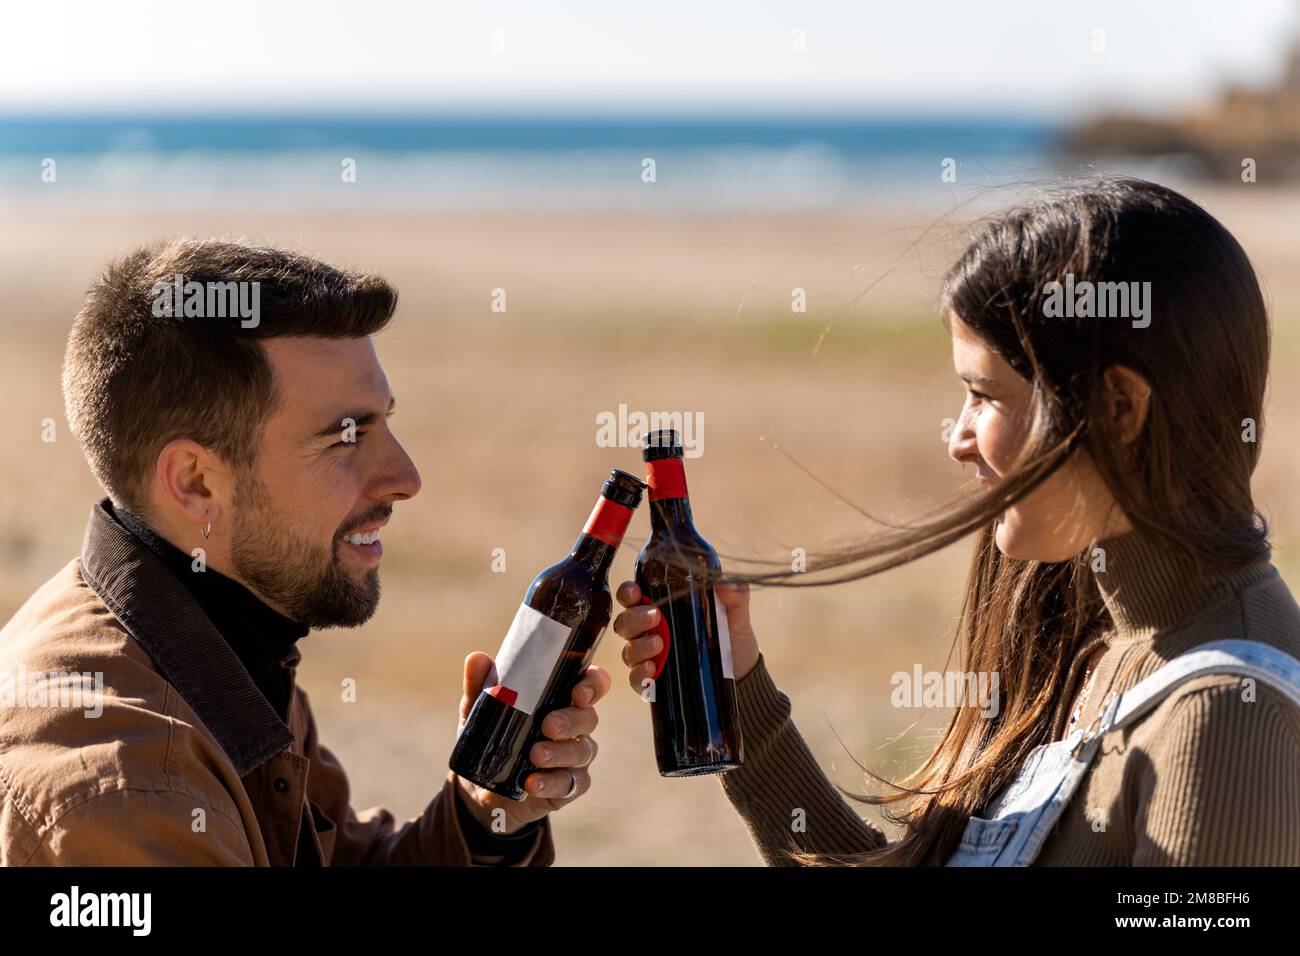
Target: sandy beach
x,y
499,411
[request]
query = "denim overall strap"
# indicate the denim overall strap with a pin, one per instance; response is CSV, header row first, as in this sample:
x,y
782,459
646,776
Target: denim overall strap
x,y
1017,822
1246,658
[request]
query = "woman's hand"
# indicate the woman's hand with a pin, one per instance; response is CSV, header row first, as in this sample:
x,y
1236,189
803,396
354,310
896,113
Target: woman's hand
x,y
636,626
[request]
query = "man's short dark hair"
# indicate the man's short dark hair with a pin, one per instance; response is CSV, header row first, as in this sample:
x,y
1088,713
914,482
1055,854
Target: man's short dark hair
x,y
134,380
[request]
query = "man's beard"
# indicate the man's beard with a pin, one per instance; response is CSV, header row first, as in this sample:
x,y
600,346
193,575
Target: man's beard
x,y
290,571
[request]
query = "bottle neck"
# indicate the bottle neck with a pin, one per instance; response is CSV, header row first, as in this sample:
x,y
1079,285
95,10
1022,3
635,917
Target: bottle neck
x,y
594,554
668,513
602,535
670,504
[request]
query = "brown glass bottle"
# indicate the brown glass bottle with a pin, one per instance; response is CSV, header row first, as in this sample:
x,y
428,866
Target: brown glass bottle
x,y
693,693
547,649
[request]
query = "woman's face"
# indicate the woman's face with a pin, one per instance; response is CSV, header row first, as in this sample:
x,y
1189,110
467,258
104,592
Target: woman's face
x,y
1068,511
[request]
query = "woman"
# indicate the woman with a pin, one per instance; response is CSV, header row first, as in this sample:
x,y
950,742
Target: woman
x,y
1118,534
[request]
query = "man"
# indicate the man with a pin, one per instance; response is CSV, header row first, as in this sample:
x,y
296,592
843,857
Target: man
x,y
229,400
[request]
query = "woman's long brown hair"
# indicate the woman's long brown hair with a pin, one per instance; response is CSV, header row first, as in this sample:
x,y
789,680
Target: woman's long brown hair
x,y
1185,480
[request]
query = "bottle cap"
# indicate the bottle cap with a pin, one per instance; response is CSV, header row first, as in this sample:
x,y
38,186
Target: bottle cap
x,y
665,443
623,488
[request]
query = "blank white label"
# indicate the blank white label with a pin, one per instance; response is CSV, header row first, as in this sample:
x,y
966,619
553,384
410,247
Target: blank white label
x,y
724,636
527,659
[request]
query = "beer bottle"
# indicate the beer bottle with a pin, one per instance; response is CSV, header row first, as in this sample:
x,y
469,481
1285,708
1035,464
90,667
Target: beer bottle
x,y
692,694
547,649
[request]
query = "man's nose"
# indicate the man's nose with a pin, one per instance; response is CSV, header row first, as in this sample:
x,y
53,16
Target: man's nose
x,y
399,478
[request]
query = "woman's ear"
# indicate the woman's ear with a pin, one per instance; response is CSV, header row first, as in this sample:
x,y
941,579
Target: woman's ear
x,y
1128,400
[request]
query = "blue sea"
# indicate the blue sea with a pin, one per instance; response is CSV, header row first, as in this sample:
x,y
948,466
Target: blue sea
x,y
518,164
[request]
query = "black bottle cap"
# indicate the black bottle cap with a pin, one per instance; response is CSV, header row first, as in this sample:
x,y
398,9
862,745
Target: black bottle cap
x,y
623,488
666,443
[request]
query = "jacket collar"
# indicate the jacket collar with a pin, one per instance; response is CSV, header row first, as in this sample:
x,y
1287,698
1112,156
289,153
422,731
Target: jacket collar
x,y
188,651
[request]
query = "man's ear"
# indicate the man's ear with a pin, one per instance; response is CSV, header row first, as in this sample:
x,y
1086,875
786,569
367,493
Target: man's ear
x,y
192,484
1128,401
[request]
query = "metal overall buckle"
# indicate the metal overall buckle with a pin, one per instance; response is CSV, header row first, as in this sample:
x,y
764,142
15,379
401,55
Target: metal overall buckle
x,y
1100,724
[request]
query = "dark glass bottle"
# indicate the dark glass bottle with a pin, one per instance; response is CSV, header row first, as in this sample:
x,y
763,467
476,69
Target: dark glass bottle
x,y
693,694
547,649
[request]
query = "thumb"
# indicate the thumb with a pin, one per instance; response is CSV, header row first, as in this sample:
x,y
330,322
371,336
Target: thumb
x,y
478,667
628,594
734,596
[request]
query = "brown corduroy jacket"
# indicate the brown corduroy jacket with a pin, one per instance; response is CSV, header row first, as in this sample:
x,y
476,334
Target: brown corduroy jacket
x,y
131,734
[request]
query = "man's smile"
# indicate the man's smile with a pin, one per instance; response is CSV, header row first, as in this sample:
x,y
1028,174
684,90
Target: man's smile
x,y
364,542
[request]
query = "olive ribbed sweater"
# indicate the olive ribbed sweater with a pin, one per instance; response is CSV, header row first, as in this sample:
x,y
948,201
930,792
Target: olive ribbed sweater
x,y
1206,778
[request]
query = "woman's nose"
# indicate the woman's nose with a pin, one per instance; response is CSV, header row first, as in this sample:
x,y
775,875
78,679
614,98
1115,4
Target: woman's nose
x,y
961,444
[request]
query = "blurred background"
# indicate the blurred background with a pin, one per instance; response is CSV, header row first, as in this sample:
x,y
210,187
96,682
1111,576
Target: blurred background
x,y
654,190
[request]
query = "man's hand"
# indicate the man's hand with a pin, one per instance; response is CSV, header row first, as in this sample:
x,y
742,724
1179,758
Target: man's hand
x,y
570,746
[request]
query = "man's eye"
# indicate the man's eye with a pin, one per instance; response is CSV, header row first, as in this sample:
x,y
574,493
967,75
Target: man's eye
x,y
342,442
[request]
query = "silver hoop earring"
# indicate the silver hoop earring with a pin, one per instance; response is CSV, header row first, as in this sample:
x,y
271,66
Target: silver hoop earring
x,y
207,529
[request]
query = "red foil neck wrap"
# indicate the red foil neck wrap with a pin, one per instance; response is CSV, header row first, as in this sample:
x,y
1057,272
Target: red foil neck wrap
x,y
608,521
667,479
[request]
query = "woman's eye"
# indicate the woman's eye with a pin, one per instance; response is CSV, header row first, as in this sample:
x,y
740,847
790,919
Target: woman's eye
x,y
975,394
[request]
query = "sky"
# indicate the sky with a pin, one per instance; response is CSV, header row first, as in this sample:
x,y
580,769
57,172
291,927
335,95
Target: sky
x,y
1002,57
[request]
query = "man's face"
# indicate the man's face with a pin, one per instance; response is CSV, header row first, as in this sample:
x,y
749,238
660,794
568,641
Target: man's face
x,y
306,519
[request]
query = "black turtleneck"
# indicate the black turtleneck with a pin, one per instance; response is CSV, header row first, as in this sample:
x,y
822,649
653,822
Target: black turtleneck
x,y
260,636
